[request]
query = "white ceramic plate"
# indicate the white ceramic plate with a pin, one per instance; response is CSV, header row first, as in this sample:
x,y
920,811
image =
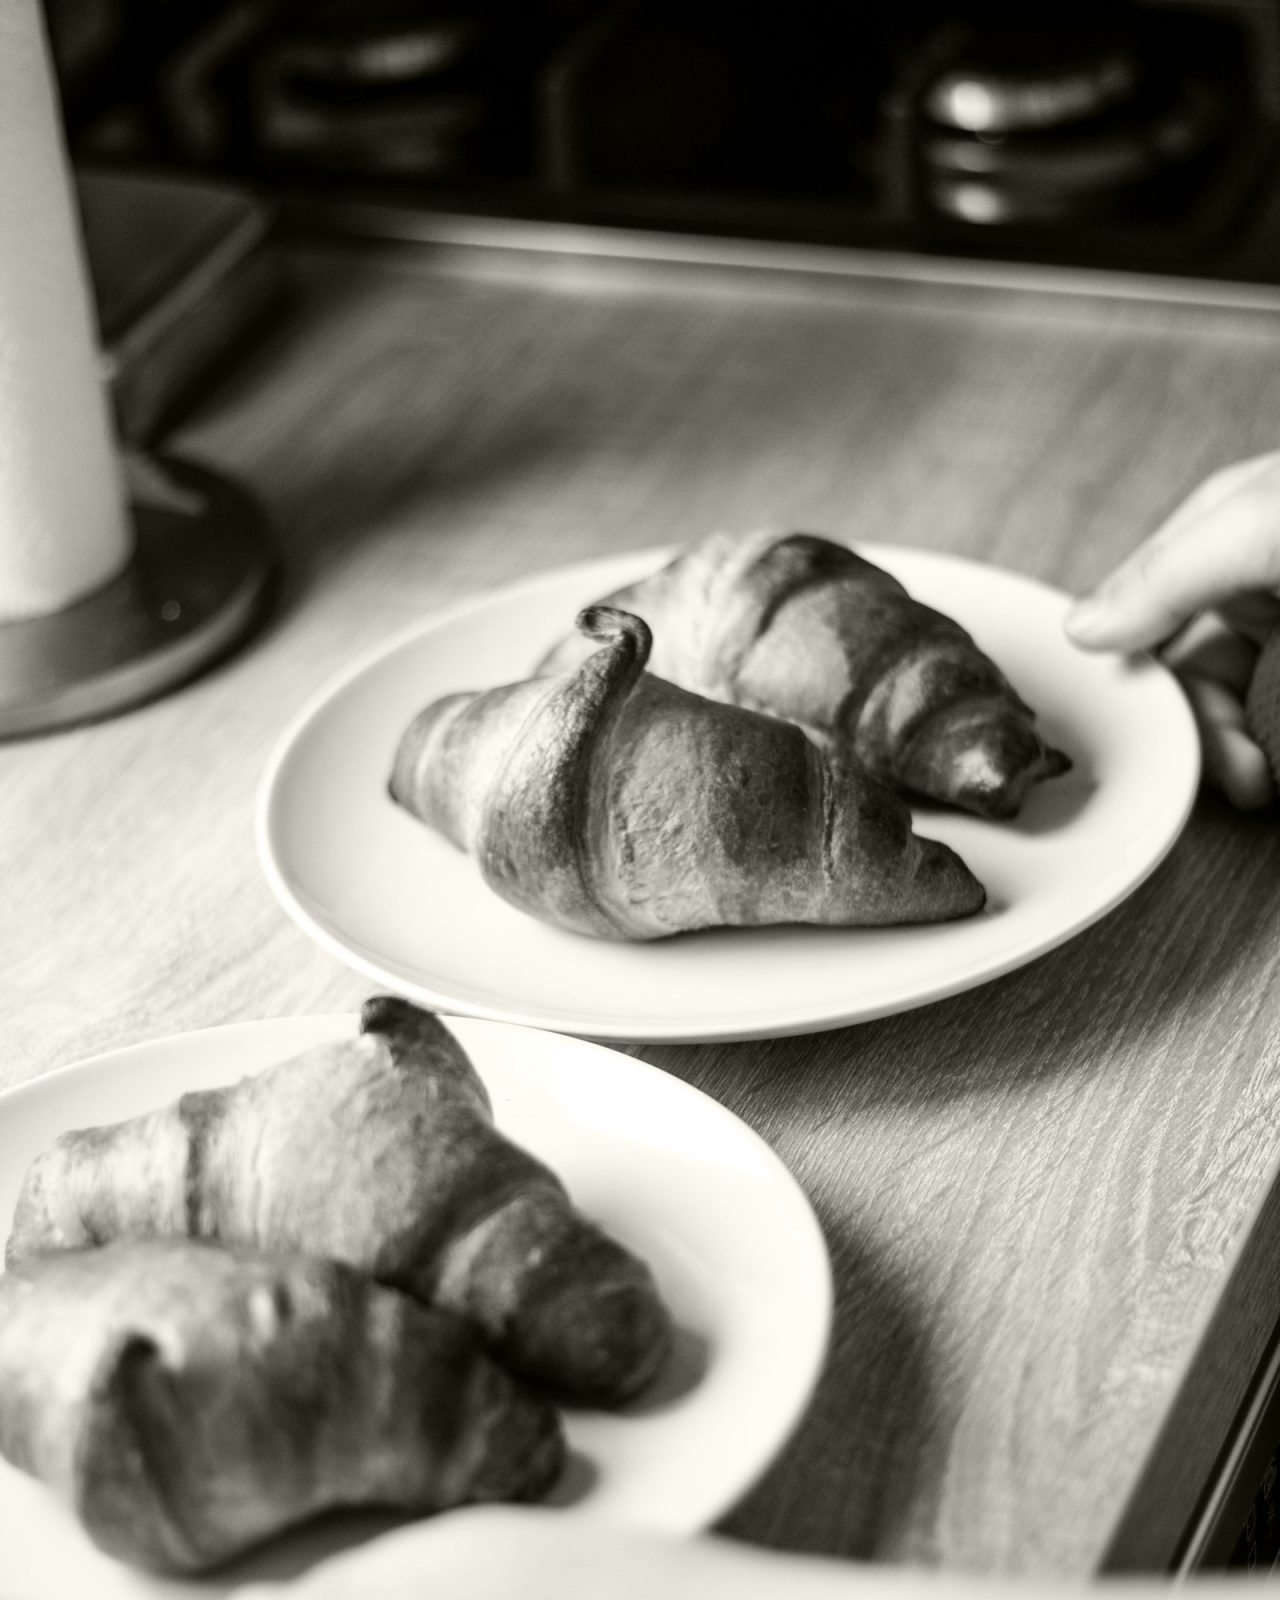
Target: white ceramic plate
x,y
735,1248
397,902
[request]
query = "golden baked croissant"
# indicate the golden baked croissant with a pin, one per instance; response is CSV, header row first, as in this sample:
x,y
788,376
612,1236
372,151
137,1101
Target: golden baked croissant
x,y
380,1152
612,802
802,628
188,1402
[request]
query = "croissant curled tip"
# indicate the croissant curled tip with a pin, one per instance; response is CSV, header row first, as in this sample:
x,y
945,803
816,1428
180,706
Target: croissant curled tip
x,y
399,1021
610,624
380,1013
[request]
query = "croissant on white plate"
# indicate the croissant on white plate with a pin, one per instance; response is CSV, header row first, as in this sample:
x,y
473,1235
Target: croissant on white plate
x,y
380,1152
612,802
803,628
187,1402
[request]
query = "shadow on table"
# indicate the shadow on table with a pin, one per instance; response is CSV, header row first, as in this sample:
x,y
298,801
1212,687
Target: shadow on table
x,y
879,1370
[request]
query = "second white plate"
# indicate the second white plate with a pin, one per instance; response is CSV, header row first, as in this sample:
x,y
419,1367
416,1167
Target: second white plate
x,y
400,904
733,1244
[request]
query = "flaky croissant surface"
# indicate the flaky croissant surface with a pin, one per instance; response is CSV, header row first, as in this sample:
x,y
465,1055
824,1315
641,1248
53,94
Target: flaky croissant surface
x,y
188,1402
612,802
803,628
380,1152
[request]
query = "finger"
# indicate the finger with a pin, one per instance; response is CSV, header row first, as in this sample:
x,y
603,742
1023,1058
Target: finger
x,y
1235,766
1218,485
1233,762
1224,549
1208,648
1216,488
1254,615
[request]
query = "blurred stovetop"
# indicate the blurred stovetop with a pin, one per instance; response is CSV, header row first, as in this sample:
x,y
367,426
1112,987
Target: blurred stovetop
x,y
1132,134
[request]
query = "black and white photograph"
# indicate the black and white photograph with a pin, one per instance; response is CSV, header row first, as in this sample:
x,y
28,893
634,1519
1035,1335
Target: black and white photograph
x,y
639,799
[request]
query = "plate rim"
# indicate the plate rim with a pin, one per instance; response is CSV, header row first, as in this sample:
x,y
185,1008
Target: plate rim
x,y
782,1023
806,1241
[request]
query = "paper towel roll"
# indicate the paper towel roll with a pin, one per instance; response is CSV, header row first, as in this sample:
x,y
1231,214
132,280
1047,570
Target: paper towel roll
x,y
64,529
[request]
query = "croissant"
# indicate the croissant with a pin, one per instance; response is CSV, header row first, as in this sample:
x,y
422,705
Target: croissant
x,y
802,628
380,1152
188,1402
612,802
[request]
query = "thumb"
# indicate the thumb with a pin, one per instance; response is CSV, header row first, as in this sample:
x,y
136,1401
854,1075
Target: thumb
x,y
1151,595
1211,550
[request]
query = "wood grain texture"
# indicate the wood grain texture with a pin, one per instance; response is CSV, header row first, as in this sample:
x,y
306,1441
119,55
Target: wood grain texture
x,y
1034,1194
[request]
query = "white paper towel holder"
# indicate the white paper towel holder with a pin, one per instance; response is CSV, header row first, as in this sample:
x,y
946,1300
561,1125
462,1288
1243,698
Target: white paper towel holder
x,y
199,580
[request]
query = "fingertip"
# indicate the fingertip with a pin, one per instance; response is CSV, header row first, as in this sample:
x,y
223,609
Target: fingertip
x,y
1092,623
1104,622
1235,765
1086,622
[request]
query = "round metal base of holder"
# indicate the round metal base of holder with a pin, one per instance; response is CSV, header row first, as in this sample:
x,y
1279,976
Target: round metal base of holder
x,y
197,583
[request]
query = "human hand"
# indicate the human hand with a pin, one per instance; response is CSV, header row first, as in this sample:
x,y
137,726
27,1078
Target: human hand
x,y
1206,587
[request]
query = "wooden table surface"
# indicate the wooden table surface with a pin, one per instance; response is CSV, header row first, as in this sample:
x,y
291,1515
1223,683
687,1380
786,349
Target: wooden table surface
x,y
1038,1196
